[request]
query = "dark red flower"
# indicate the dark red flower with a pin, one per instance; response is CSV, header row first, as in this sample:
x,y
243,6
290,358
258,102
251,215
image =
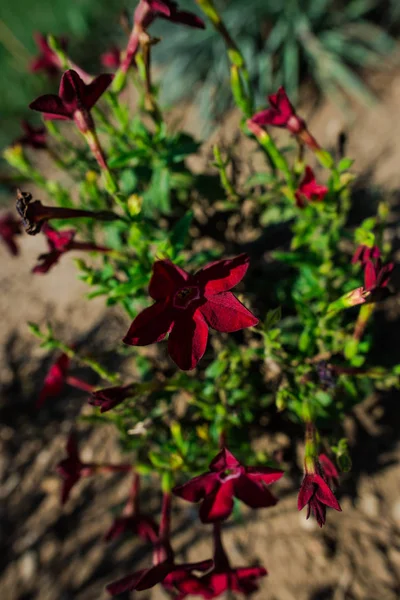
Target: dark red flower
x,y
74,100
329,470
112,396
186,305
146,12
316,493
10,227
35,214
376,275
164,569
365,253
132,520
309,189
112,58
222,578
71,469
227,479
282,114
35,137
47,60
59,243
54,380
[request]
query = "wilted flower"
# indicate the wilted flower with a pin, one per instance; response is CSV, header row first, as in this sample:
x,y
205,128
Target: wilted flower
x,y
59,243
112,396
35,137
186,305
132,520
47,60
164,569
146,12
309,189
227,479
34,214
10,227
71,469
282,114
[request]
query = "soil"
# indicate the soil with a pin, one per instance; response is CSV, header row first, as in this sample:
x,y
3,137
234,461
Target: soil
x,y
53,553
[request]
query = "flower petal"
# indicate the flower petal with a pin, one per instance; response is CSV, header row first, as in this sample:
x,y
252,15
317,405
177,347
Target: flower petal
x,y
197,488
324,493
154,575
52,106
254,494
369,275
265,474
71,89
225,313
224,460
93,91
306,492
217,506
126,583
151,325
166,279
188,340
222,275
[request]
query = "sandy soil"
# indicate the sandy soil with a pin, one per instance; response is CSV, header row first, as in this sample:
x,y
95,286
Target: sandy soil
x,y
50,553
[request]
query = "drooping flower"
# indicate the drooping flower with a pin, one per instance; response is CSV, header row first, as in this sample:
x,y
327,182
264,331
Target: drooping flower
x,y
365,253
34,214
59,243
222,578
132,520
72,469
329,470
309,189
54,380
110,397
316,493
47,61
227,479
164,569
35,137
145,14
10,227
112,58
186,305
282,114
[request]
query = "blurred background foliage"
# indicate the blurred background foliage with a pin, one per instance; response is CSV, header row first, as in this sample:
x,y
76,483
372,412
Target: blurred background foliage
x,y
329,42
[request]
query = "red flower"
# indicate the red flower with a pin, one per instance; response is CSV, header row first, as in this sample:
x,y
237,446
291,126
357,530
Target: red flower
x,y
186,305
329,470
309,189
10,227
47,60
282,114
164,569
54,380
112,396
365,253
132,520
74,100
317,494
59,243
146,12
222,578
112,58
227,479
33,136
71,469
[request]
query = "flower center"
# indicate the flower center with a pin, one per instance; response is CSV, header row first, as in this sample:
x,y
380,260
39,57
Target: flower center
x,y
229,474
185,296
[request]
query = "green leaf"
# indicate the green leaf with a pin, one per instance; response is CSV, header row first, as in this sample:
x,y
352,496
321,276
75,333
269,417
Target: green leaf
x,y
273,317
345,164
180,232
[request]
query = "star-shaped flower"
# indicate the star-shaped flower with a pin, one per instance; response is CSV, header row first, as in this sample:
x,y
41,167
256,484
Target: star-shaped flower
x,y
54,380
187,305
227,479
110,397
317,495
10,228
35,137
47,61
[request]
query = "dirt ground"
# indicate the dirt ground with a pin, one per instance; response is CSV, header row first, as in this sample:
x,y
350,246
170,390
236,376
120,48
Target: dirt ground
x,y
53,553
